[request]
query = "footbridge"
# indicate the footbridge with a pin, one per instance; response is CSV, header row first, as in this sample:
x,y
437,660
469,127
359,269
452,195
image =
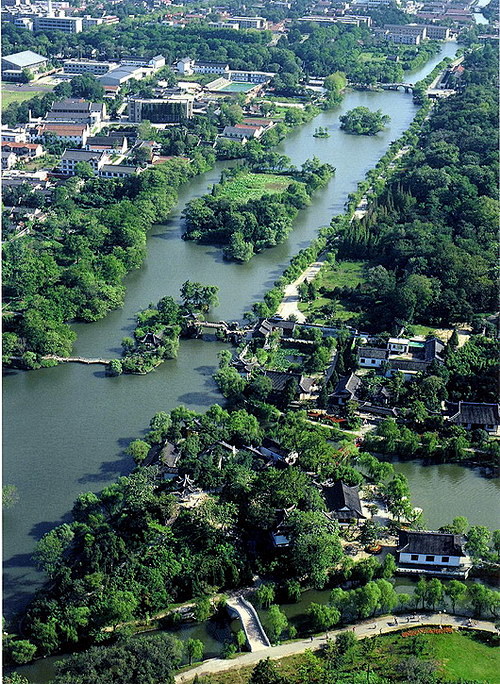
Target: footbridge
x,y
408,87
254,631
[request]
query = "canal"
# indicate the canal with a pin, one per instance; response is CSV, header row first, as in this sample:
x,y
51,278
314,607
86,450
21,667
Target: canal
x,y
65,428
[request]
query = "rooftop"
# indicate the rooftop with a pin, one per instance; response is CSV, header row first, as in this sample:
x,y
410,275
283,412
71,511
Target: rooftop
x,y
339,496
25,58
475,413
436,543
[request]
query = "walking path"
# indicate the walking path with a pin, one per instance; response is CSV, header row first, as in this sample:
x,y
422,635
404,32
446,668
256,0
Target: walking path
x,y
369,628
290,302
255,634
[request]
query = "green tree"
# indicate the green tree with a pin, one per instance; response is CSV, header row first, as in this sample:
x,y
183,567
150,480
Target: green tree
x,y
10,496
456,591
361,121
434,593
367,599
264,595
322,617
478,541
118,606
241,639
84,170
202,609
51,548
138,449
266,672
20,651
276,624
194,649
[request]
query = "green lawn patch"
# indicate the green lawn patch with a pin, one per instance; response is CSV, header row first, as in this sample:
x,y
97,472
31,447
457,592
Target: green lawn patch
x,y
461,656
464,655
365,57
10,96
341,274
247,186
282,359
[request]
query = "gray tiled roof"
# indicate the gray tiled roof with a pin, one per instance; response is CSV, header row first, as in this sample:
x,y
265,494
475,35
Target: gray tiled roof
x,y
477,414
372,353
435,543
340,496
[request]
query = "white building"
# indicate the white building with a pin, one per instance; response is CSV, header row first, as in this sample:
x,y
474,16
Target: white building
x,y
14,65
88,66
185,66
64,24
71,158
435,553
14,135
398,345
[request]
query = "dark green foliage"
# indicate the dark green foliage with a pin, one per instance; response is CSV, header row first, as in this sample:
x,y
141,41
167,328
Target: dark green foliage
x,y
431,235
362,121
256,224
72,265
140,659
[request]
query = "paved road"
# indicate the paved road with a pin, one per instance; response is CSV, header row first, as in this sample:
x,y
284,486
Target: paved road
x,y
381,625
290,303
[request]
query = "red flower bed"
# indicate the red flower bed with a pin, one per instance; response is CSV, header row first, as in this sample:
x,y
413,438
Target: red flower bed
x,y
428,630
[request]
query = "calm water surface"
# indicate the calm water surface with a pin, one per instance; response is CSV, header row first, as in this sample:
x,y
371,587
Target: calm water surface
x,y
65,428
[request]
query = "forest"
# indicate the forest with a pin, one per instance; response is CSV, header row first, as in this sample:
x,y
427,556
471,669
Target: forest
x,y
244,228
430,237
71,267
134,549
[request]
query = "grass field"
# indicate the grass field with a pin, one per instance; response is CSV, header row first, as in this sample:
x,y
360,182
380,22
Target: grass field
x,y
370,57
248,186
460,656
9,96
341,274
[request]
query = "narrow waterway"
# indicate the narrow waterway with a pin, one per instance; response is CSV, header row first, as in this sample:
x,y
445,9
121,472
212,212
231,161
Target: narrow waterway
x,y
479,16
65,427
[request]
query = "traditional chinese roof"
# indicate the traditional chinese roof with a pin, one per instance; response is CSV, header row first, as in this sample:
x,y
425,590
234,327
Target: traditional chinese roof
x,y
339,496
372,353
434,543
475,413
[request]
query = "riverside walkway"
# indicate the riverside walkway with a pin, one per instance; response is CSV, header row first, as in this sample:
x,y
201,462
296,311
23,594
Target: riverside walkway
x,y
290,302
363,630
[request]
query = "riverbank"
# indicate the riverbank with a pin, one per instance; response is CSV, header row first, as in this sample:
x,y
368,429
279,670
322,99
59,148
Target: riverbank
x,y
363,630
60,419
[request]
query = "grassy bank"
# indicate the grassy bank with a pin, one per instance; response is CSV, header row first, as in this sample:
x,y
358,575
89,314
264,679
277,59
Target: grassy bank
x,y
462,656
10,96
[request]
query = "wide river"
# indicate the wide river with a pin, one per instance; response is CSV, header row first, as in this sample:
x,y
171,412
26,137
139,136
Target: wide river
x,y
65,428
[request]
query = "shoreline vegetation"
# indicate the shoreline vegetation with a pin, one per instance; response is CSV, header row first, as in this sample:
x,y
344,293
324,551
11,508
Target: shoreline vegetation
x,y
247,226
147,540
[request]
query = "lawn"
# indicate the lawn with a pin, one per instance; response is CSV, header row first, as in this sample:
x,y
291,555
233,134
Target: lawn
x,y
9,96
341,274
370,57
464,656
247,186
460,656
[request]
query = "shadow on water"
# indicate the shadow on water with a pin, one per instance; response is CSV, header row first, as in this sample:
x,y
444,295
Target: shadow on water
x,y
109,470
41,528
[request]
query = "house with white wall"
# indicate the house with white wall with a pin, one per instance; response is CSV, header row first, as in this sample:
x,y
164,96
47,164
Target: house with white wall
x,y
432,553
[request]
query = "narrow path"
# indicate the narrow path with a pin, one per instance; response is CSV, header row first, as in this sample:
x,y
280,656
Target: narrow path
x,y
76,359
256,636
368,628
290,302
